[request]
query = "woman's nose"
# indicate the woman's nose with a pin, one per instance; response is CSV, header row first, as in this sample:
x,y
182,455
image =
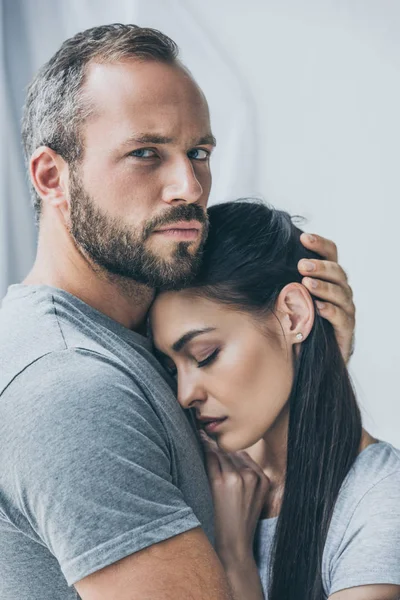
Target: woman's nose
x,y
190,392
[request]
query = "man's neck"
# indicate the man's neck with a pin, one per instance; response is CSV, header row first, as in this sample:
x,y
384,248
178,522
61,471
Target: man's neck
x,y
63,266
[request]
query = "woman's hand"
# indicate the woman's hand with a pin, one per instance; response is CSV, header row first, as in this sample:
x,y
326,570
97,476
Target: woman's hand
x,y
326,280
239,488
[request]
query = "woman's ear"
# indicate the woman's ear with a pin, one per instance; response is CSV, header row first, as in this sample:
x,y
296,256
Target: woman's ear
x,y
296,312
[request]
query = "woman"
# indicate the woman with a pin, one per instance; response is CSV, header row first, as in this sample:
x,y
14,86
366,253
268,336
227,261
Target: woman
x,y
315,502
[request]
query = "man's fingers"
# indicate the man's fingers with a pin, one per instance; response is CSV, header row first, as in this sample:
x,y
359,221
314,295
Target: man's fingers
x,y
339,318
343,323
323,269
333,293
320,245
327,281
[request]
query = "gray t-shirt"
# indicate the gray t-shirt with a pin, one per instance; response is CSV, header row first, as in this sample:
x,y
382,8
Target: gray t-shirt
x,y
363,542
97,458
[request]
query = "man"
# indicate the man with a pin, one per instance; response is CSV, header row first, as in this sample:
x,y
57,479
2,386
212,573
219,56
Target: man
x,y
102,484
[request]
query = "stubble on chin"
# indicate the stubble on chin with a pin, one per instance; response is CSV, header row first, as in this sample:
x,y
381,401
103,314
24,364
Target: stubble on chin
x,y
123,254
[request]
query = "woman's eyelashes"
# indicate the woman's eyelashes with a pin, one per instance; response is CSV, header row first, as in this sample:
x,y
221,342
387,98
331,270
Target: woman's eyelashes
x,y
170,366
209,359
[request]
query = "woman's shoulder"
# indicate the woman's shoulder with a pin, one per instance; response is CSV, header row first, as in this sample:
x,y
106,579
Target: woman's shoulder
x,y
374,464
363,541
374,477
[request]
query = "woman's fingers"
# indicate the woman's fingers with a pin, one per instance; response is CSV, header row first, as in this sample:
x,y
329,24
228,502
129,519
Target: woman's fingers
x,y
220,463
247,460
233,467
211,456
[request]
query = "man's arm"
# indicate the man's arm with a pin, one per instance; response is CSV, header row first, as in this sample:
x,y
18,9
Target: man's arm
x,y
184,567
96,462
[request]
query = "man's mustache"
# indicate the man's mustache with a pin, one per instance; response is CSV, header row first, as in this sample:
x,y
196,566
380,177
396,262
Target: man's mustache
x,y
183,212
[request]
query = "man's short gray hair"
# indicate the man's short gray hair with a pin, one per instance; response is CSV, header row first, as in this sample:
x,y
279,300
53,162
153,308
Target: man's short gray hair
x,y
55,107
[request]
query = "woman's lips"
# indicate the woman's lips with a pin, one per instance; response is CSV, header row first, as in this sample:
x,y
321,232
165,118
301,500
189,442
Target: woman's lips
x,y
212,426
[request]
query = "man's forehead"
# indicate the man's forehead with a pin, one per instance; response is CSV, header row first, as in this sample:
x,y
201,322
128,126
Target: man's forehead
x,y
148,100
149,82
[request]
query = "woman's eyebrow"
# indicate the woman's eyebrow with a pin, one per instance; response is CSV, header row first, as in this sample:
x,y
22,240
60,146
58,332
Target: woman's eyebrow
x,y
187,337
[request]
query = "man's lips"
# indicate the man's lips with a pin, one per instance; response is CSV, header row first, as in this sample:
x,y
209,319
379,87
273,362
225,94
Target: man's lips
x,y
181,230
180,225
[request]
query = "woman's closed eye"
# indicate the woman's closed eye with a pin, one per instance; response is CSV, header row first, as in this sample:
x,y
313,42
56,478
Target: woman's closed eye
x,y
170,366
209,359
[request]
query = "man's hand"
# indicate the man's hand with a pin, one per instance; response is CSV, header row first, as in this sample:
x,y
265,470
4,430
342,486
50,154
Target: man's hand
x,y
326,280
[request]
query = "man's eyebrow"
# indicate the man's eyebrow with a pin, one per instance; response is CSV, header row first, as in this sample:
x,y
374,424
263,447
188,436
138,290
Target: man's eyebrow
x,y
154,138
147,138
187,337
207,140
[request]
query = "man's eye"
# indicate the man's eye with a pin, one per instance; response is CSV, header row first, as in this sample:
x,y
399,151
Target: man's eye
x,y
199,154
143,153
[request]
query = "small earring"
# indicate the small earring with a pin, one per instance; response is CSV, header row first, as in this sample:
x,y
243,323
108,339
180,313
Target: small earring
x,y
299,336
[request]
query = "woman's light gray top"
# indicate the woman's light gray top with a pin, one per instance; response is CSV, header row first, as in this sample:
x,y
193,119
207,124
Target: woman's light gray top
x,y
363,542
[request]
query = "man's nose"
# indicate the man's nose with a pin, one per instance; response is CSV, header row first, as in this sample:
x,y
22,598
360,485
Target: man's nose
x,y
190,392
182,183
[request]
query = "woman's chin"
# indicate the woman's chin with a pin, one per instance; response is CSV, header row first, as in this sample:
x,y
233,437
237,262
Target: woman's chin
x,y
228,443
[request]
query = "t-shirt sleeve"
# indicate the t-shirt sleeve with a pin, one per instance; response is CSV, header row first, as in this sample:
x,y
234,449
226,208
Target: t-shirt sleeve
x,y
94,476
369,552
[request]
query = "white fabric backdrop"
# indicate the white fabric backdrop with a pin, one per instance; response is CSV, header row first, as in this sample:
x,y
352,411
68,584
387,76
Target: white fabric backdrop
x,y
304,101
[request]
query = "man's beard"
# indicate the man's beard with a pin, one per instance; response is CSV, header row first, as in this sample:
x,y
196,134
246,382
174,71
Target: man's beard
x,y
122,251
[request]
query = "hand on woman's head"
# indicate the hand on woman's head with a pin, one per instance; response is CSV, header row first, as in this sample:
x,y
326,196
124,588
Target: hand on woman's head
x,y
327,281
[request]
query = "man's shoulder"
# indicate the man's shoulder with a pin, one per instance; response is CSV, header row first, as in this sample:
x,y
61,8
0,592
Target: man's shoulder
x,y
28,331
41,329
61,357
74,395
74,377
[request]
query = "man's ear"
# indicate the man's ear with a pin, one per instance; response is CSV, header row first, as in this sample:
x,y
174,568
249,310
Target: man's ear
x,y
50,175
296,312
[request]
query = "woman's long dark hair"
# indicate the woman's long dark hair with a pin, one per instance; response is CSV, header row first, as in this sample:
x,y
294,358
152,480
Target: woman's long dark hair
x,y
250,255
